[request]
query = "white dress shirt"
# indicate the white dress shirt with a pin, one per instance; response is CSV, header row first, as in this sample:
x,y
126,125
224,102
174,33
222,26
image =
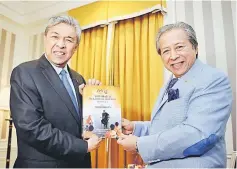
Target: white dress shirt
x,y
58,71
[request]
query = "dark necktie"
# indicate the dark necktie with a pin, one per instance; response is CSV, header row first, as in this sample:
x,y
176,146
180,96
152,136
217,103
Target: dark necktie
x,y
172,82
67,85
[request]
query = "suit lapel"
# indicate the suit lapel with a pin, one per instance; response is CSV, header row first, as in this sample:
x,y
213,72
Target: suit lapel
x,y
181,84
161,99
53,78
78,95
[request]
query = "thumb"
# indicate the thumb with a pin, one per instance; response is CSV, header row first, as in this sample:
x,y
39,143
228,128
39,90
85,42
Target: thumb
x,y
81,87
120,140
123,136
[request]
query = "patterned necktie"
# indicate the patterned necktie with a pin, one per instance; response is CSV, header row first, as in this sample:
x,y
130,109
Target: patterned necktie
x,y
67,85
172,82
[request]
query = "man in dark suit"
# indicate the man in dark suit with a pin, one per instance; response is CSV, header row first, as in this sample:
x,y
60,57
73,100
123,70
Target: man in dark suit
x,y
46,104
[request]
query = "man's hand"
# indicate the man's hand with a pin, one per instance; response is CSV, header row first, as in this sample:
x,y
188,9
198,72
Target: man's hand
x,y
127,126
86,135
90,82
128,142
93,143
93,82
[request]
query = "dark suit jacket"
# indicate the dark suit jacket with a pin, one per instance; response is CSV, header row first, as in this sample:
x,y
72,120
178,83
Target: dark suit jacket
x,y
48,127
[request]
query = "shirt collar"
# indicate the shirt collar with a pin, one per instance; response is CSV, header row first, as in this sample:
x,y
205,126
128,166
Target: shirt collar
x,y
57,69
173,76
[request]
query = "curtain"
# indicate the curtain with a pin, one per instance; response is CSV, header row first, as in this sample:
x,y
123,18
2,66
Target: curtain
x,y
90,61
90,58
138,70
106,11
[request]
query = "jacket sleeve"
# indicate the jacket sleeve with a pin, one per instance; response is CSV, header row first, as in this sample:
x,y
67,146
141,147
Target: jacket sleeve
x,y
31,126
141,128
208,112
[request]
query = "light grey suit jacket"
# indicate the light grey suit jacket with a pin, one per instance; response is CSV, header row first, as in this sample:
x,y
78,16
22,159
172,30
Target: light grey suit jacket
x,y
188,131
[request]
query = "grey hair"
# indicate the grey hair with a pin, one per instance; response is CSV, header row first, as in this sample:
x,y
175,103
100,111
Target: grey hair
x,y
55,20
191,34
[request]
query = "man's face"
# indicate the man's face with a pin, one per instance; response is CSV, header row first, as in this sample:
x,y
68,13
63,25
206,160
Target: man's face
x,y
178,54
60,44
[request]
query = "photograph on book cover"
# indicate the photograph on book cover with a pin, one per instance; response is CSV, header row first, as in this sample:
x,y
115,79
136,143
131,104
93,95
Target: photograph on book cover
x,y
101,111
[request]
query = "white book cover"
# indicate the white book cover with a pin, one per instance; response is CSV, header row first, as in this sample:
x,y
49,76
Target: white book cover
x,y
101,111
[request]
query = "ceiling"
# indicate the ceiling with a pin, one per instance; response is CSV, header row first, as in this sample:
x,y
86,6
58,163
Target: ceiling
x,y
26,12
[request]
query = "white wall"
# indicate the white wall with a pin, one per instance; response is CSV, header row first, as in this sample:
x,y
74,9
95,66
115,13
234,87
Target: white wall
x,y
21,44
20,55
23,36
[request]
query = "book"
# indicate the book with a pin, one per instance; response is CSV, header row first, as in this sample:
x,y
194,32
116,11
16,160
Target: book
x,y
101,111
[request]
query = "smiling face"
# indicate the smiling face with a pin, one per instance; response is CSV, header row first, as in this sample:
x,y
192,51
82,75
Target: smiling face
x,y
178,54
60,44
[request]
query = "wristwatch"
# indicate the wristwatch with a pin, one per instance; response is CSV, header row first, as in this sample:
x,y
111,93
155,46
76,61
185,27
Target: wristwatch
x,y
137,147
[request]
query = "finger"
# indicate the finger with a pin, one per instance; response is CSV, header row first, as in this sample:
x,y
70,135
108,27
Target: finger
x,y
89,82
98,146
93,81
127,132
100,140
81,87
120,134
84,135
97,82
120,141
99,143
94,148
125,122
123,137
95,137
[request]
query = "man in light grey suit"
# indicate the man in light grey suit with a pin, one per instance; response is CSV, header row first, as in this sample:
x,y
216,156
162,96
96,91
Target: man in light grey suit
x,y
188,122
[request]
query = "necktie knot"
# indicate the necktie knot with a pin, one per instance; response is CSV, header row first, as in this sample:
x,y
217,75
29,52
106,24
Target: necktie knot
x,y
63,72
172,82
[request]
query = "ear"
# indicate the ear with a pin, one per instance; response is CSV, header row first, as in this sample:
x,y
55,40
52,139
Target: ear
x,y
44,39
196,50
75,48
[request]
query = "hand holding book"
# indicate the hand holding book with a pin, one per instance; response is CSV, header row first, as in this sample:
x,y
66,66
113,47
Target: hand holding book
x,y
127,126
93,142
91,82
